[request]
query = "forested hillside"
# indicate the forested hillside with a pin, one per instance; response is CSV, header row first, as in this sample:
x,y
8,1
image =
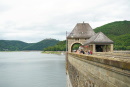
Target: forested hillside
x,y
60,46
12,45
42,44
115,28
119,32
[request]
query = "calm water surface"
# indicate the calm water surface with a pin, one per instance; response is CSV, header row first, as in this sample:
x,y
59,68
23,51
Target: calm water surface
x,y
32,69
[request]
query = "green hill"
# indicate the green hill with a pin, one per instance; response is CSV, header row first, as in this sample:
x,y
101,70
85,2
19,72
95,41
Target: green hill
x,y
119,32
60,46
12,45
42,44
115,28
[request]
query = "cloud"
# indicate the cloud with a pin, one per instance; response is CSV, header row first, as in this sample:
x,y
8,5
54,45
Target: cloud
x,y
34,20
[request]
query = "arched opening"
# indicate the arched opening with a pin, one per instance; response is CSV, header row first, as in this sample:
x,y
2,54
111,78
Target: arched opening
x,y
75,47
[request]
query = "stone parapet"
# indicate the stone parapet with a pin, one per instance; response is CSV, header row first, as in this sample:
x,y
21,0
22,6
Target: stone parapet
x,y
119,63
94,71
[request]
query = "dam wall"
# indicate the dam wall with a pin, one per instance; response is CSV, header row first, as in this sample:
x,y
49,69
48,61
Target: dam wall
x,y
96,71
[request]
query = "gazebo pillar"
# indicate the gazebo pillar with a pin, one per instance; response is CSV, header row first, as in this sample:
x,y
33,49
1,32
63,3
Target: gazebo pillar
x,y
111,48
106,48
93,47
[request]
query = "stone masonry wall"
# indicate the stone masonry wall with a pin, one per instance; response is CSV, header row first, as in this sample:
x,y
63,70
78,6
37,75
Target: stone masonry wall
x,y
89,73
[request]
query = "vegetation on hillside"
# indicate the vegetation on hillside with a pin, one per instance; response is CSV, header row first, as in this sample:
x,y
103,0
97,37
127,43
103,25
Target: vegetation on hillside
x,y
122,42
42,44
115,28
60,46
12,45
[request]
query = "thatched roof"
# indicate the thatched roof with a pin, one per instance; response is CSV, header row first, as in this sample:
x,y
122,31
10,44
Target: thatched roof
x,y
99,38
81,30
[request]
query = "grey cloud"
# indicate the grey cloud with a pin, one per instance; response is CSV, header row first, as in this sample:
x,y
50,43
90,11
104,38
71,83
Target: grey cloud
x,y
60,33
4,8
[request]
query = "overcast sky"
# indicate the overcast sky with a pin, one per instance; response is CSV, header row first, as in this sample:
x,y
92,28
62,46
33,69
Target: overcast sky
x,y
35,20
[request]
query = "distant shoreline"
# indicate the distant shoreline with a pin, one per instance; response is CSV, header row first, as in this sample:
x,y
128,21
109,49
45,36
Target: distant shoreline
x,y
23,51
54,52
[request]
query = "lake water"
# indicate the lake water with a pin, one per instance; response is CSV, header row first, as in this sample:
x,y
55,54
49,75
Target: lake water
x,y
32,69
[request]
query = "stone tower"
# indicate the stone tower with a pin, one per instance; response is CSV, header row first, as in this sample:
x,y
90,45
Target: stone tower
x,y
80,34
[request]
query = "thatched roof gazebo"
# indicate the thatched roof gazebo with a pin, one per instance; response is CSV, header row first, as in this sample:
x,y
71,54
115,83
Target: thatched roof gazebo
x,y
99,43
